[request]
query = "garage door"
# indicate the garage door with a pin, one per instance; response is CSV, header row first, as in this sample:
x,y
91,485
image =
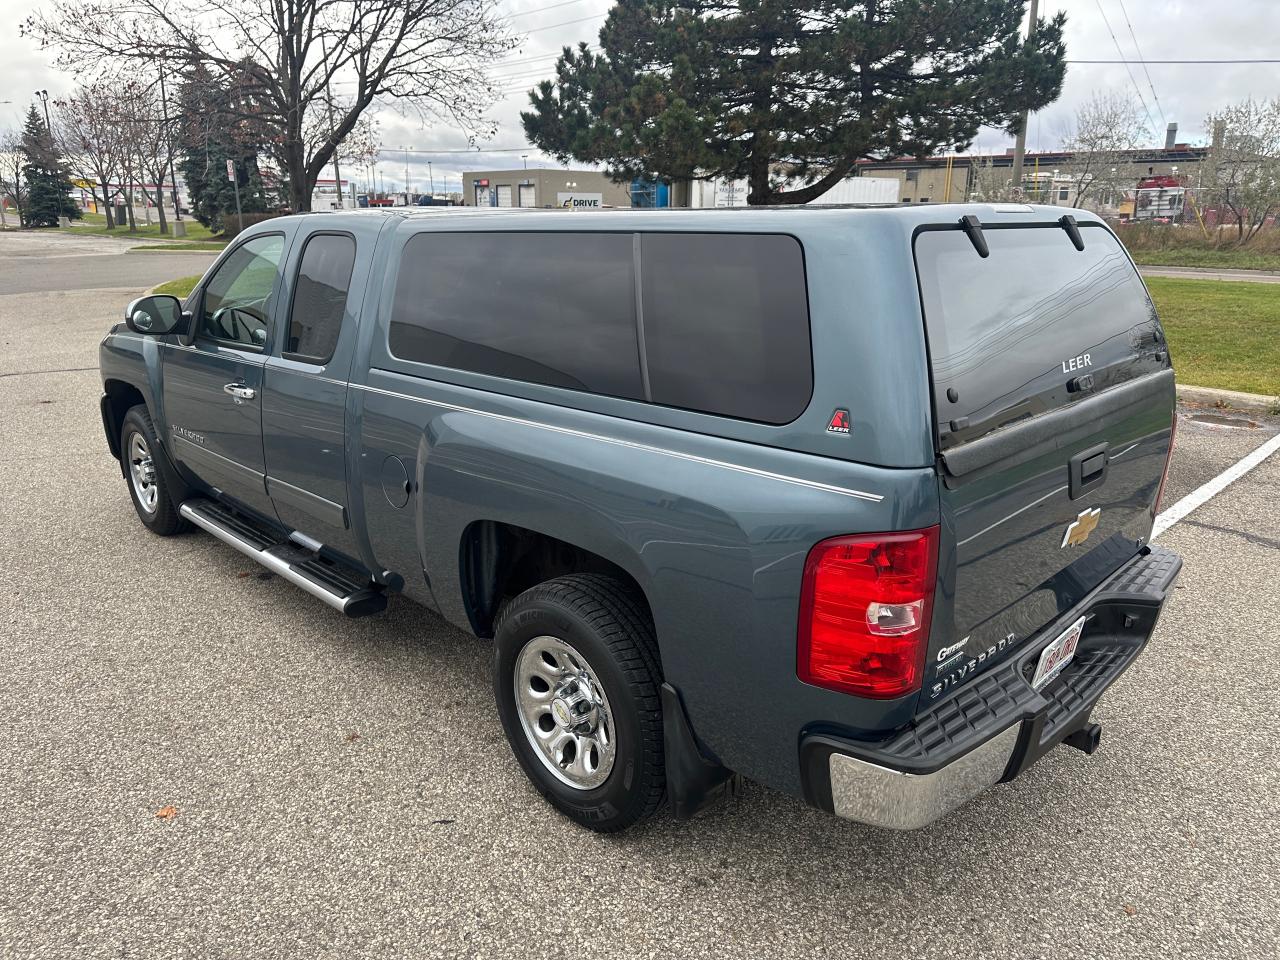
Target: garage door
x,y
528,198
504,194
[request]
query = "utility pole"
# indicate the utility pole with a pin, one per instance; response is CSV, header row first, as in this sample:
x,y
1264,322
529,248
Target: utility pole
x,y
173,175
1020,145
431,178
328,96
406,176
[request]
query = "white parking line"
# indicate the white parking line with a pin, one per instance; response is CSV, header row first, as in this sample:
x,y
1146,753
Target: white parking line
x,y
1202,495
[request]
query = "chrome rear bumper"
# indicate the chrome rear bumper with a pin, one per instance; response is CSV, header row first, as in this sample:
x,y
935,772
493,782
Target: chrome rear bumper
x,y
907,801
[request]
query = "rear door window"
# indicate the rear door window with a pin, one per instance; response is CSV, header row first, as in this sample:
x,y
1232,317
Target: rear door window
x,y
1009,332
320,298
549,308
726,324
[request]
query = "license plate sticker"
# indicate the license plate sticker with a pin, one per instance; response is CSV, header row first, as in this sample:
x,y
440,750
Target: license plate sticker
x,y
1055,657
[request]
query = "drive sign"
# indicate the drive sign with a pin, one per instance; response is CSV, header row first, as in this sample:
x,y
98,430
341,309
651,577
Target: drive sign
x,y
580,201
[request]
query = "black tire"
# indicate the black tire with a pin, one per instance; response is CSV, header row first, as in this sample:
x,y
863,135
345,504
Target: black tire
x,y
161,517
608,623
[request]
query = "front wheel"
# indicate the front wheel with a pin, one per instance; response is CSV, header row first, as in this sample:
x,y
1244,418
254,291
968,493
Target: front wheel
x,y
148,485
576,677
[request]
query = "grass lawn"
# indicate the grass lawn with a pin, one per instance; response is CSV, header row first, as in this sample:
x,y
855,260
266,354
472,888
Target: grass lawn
x,y
1225,259
178,288
96,223
1222,334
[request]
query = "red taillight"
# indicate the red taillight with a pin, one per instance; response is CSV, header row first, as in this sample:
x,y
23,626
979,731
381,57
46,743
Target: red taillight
x,y
864,612
1168,459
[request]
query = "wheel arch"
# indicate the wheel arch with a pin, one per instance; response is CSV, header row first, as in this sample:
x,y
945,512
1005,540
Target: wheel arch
x,y
119,397
499,560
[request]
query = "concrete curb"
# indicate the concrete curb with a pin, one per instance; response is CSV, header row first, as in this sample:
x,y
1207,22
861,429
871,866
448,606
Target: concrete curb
x,y
1213,397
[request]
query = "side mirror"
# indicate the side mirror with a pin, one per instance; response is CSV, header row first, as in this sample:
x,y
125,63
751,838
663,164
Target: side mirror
x,y
155,316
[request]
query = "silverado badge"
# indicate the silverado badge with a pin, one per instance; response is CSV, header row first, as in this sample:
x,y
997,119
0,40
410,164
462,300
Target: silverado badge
x,y
1079,529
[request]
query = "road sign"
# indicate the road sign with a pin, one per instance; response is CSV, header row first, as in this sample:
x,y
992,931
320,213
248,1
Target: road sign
x,y
231,171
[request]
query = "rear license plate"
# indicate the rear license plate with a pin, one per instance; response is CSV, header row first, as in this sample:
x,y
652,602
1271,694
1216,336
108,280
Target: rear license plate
x,y
1055,657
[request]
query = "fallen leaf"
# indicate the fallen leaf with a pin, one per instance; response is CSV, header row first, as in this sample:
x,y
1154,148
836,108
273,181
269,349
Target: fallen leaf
x,y
167,813
1130,909
445,821
243,573
352,737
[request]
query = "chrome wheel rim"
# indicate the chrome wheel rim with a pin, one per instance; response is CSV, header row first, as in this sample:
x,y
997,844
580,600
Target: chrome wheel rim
x,y
565,713
142,473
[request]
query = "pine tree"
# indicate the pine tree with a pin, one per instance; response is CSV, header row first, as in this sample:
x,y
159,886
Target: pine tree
x,y
782,92
48,184
213,132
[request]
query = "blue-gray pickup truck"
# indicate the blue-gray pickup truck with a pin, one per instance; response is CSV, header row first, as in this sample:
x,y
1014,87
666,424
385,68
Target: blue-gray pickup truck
x,y
851,502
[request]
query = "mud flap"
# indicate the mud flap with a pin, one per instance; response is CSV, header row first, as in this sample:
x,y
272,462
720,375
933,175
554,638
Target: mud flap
x,y
694,783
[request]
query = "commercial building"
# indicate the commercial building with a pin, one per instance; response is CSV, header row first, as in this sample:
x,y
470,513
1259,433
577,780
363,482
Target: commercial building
x,y
955,178
576,189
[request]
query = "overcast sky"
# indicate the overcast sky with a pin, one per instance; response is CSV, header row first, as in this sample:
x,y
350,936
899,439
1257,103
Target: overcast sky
x,y
1164,30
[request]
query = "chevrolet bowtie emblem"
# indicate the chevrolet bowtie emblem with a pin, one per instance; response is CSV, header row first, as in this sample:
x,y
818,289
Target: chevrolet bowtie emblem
x,y
1079,529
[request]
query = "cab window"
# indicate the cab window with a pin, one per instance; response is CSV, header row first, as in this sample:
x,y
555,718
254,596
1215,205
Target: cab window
x,y
236,306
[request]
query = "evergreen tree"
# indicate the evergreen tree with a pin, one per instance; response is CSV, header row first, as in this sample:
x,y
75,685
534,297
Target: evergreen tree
x,y
48,184
781,92
214,130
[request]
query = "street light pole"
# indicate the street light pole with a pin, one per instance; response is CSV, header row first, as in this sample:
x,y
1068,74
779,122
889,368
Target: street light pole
x,y
43,97
431,177
406,176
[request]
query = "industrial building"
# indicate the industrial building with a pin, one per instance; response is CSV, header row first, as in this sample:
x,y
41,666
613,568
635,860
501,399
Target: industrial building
x,y
576,189
953,178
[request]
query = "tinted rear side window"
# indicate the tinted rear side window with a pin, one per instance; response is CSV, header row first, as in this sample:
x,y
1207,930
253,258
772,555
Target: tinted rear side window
x,y
726,324
320,298
551,308
1008,332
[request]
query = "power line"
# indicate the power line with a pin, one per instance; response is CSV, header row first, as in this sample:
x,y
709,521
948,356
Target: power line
x,y
471,150
1157,62
1134,37
1128,69
553,6
553,26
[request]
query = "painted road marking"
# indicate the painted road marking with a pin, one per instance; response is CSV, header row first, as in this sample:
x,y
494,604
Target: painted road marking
x,y
1202,495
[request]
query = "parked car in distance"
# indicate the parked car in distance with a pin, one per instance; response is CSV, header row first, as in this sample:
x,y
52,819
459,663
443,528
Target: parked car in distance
x,y
852,502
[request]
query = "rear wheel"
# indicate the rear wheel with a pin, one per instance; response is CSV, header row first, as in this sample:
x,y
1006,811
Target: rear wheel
x,y
576,678
148,485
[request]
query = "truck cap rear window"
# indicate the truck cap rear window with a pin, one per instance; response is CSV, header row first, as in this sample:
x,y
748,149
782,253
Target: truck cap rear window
x,y
1012,334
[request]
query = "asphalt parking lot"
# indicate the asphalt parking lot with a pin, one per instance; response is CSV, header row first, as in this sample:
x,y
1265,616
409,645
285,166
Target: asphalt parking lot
x,y
343,789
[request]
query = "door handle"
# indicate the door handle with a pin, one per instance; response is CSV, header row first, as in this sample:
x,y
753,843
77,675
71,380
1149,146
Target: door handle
x,y
1088,470
240,392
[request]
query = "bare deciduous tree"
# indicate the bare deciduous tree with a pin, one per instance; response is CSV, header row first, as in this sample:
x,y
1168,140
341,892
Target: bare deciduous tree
x,y
991,184
1242,174
151,142
1101,138
428,55
12,182
90,132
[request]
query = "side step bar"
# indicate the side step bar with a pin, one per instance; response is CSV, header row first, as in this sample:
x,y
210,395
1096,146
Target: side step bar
x,y
335,585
